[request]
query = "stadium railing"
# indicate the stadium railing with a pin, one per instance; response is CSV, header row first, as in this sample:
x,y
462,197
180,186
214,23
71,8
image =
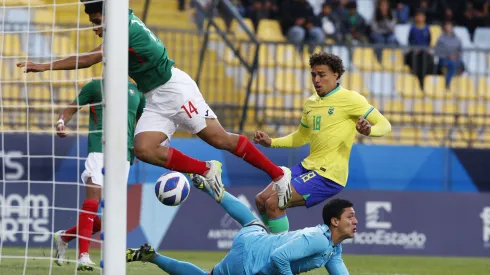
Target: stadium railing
x,y
429,115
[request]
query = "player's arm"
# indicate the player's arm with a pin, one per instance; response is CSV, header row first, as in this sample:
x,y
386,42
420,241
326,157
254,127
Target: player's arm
x,y
81,61
141,106
336,266
370,121
297,249
84,97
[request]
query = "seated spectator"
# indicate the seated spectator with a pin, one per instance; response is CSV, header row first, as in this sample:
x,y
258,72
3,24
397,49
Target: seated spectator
x,y
420,60
383,26
402,10
260,9
299,25
330,23
448,49
354,26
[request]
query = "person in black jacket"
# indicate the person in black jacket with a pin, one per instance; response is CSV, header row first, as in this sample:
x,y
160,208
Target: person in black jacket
x,y
299,24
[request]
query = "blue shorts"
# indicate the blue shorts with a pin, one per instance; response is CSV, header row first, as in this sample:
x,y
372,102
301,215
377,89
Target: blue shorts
x,y
313,187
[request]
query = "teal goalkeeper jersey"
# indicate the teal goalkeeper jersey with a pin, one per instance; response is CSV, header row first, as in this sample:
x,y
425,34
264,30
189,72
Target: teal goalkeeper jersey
x,y
149,64
92,93
290,253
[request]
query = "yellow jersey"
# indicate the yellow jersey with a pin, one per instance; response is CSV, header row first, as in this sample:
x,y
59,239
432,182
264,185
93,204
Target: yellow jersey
x,y
329,125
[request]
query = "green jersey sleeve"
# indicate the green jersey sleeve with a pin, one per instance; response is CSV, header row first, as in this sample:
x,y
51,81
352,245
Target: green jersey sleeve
x,y
87,94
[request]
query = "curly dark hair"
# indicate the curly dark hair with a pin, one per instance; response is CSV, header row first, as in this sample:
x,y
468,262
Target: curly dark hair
x,y
93,6
331,60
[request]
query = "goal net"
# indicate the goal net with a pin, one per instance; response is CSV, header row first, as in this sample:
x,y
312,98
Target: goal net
x,y
41,191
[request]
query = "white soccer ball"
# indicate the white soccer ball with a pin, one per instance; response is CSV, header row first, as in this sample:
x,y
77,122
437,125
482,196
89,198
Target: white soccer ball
x,y
172,188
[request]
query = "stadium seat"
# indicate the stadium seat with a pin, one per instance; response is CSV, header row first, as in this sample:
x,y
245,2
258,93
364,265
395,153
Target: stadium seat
x,y
439,136
386,139
423,112
275,109
287,82
476,114
476,62
287,56
66,95
435,87
481,38
463,88
5,72
297,108
220,91
239,32
214,36
340,51
483,141
260,84
483,91
366,9
448,114
62,46
393,60
85,40
410,136
353,81
408,86
395,111
11,45
365,59
435,32
270,31
401,32
464,35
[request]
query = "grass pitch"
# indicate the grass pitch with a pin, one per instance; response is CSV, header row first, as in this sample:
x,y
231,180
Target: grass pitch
x,y
39,263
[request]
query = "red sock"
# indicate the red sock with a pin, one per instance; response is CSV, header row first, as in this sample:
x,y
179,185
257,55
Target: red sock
x,y
86,223
181,163
248,152
97,225
73,231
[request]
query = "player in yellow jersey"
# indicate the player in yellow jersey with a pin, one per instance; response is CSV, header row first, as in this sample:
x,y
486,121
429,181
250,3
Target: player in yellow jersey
x,y
330,119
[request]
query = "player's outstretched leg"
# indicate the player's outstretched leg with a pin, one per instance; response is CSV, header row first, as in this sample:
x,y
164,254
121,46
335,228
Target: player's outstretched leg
x,y
146,253
147,147
233,206
215,135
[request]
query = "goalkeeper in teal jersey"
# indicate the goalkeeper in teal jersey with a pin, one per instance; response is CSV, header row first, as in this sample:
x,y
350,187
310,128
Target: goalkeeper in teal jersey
x,y
92,176
254,251
173,99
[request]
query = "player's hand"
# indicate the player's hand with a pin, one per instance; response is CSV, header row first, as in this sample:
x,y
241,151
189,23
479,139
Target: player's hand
x,y
60,130
32,67
363,126
262,139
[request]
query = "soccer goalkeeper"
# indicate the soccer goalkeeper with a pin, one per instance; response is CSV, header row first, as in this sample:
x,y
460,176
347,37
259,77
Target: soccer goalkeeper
x,y
88,221
254,251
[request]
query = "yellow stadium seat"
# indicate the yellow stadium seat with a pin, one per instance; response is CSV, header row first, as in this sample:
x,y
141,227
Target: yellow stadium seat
x,y
483,141
408,86
393,60
66,95
423,112
287,56
247,52
411,136
34,124
270,31
484,88
11,92
239,32
287,82
395,111
435,33
213,35
85,40
353,81
439,137
448,114
478,114
265,58
63,46
386,139
297,108
274,108
365,59
221,91
5,72
463,88
260,84
12,45
435,87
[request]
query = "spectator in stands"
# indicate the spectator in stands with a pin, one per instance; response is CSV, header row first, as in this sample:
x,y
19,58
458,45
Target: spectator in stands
x,y
261,9
299,25
402,10
354,26
448,49
473,15
383,27
420,60
330,23
430,9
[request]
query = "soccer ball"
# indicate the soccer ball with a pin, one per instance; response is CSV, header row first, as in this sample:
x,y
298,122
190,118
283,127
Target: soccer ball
x,y
172,188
